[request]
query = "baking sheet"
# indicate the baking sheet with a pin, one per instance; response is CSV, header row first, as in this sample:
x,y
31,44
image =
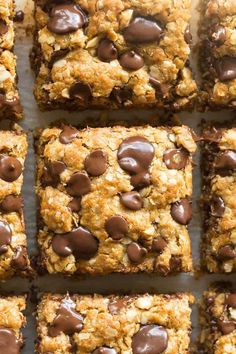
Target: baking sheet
x,y
115,282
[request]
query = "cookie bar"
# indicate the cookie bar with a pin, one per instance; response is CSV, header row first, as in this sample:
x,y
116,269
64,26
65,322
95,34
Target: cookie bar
x,y
13,254
114,199
9,97
12,321
219,166
112,54
218,53
218,320
109,325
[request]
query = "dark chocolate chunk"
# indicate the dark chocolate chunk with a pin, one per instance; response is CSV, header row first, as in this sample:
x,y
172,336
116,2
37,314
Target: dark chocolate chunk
x,y
161,88
132,200
81,92
150,339
75,205
142,30
116,227
9,344
66,18
57,55
107,50
226,68
226,160
104,350
226,327
12,106
176,159
10,168
79,184
217,206
231,300
51,173
68,134
19,261
181,211
3,27
19,16
135,155
159,244
5,236
226,253
121,94
11,204
218,35
79,242
95,163
131,61
188,36
67,320
135,252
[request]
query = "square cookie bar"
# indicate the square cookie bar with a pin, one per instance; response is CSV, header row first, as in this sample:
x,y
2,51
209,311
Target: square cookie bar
x,y
9,97
112,54
11,322
218,321
114,199
219,168
218,53
114,324
13,254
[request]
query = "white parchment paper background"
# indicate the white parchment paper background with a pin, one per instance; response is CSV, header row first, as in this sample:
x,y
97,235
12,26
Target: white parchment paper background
x,y
112,283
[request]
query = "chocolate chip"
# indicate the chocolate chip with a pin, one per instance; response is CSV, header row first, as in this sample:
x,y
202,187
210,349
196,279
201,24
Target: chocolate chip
x,y
181,211
218,35
19,16
67,320
131,61
19,261
51,173
135,155
81,92
10,168
159,244
217,206
150,339
226,253
188,36
231,300
176,159
104,350
75,205
11,204
121,95
79,184
116,227
161,88
5,236
95,163
116,305
132,200
12,106
57,55
9,344
3,27
66,18
212,135
226,327
68,134
135,252
142,30
226,160
226,68
107,50
79,242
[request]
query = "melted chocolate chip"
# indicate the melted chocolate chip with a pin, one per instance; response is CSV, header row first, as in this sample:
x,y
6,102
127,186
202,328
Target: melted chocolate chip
x,y
3,27
67,320
5,236
161,88
226,327
107,50
75,205
68,134
217,206
12,106
19,261
9,343
116,305
181,211
135,252
95,163
19,16
66,18
81,92
150,339
188,36
116,227
104,350
57,55
121,95
176,159
231,300
135,155
226,253
79,242
226,160
132,200
10,168
11,204
226,68
219,35
142,30
51,173
131,61
212,134
159,244
79,184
